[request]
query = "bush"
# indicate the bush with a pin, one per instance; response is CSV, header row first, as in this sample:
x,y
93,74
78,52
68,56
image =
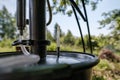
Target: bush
x,y
6,43
52,47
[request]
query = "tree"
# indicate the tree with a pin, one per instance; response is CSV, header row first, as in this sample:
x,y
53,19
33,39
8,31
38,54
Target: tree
x,y
62,5
112,20
69,38
7,23
49,36
78,42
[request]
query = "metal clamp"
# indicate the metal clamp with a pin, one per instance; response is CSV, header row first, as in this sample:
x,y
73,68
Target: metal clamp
x,y
30,42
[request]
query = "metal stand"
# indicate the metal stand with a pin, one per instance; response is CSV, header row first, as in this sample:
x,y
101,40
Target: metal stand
x,y
38,27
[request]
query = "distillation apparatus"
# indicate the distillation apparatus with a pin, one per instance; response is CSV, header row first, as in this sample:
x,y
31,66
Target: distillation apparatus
x,y
60,65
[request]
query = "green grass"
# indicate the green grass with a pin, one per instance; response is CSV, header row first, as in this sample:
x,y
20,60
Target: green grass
x,y
7,49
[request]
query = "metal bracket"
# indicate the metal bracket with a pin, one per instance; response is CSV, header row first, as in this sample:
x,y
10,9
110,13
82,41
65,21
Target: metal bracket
x,y
30,42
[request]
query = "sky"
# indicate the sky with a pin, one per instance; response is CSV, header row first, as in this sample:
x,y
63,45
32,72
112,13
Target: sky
x,y
69,23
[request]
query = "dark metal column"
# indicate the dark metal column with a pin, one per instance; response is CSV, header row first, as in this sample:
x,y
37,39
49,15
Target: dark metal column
x,y
38,27
21,15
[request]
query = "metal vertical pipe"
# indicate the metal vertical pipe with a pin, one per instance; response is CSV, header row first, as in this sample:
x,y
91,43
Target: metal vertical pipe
x,y
38,27
21,15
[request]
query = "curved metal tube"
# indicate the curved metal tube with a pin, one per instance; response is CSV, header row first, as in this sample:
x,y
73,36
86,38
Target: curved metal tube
x,y
50,13
76,7
83,43
89,35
